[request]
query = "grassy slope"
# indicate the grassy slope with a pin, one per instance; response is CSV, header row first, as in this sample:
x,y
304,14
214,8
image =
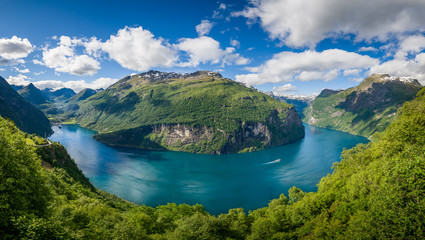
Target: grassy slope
x,y
205,101
357,110
133,104
375,192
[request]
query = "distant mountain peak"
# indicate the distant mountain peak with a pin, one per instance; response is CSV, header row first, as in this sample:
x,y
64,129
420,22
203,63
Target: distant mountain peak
x,y
158,75
386,78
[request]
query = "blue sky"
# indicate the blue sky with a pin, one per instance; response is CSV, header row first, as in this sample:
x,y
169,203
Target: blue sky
x,y
286,46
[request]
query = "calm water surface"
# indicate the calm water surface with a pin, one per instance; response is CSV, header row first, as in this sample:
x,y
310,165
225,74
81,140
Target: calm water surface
x,y
219,182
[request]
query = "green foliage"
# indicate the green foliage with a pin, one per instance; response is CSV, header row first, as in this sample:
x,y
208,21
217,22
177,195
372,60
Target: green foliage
x,y
376,192
362,110
134,111
27,117
22,188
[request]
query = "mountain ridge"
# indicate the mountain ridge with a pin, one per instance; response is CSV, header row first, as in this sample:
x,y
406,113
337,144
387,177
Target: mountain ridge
x,y
202,103
26,116
364,109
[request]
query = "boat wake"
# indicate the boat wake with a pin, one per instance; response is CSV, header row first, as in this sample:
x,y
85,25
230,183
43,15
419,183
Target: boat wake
x,y
275,161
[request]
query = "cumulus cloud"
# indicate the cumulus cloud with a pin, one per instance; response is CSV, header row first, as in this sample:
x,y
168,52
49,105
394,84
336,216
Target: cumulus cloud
x,y
77,85
352,72
414,68
20,79
408,59
14,48
306,66
367,49
204,27
138,49
281,90
26,70
410,45
299,23
235,43
207,50
64,59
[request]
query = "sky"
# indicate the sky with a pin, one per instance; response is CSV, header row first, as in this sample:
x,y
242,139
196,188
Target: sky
x,y
290,47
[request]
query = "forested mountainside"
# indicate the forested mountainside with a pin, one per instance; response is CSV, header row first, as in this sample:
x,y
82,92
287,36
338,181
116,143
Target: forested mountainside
x,y
199,112
363,110
375,192
27,117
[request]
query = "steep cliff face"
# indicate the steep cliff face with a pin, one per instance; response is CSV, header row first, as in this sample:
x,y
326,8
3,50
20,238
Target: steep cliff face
x,y
363,110
200,112
250,136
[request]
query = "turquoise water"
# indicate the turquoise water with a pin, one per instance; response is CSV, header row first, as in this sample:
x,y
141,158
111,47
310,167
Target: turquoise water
x,y
219,182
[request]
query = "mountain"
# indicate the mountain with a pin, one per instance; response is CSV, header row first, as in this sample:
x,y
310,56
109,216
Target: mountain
x,y
299,102
16,87
375,192
62,94
198,112
82,95
362,110
58,95
27,117
33,95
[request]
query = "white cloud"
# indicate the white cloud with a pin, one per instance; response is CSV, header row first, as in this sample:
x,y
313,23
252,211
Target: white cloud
x,y
408,61
284,89
414,68
352,72
64,59
410,45
26,70
14,48
207,50
20,79
204,27
306,66
93,47
76,85
138,49
367,49
299,23
235,43
222,6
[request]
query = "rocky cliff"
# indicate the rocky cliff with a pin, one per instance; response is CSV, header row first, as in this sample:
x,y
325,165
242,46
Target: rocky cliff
x,y
363,110
250,136
199,112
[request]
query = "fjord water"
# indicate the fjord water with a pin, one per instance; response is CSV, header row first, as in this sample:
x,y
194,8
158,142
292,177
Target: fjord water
x,y
219,182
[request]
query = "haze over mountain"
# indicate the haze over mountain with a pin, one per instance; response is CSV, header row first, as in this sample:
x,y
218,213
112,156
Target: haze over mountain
x,y
363,110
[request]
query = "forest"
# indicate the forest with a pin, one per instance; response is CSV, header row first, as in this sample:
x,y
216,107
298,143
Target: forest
x,y
376,191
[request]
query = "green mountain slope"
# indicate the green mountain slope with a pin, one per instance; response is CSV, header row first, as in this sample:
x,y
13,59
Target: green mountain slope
x,y
200,112
82,95
375,192
363,110
26,116
33,95
58,95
